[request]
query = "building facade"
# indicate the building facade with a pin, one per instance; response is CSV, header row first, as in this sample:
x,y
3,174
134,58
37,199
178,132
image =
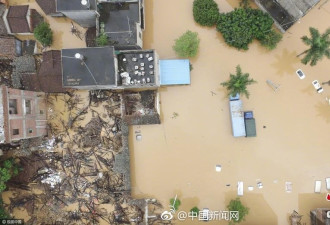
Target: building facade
x,y
22,114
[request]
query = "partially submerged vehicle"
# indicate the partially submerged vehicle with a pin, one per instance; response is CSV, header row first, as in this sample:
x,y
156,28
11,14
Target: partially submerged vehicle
x,y
243,123
317,86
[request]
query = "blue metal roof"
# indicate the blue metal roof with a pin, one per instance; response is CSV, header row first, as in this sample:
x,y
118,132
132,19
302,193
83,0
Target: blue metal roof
x,y
174,72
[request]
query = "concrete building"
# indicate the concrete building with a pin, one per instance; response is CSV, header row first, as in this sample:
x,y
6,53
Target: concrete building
x,y
123,23
286,12
84,12
105,68
22,114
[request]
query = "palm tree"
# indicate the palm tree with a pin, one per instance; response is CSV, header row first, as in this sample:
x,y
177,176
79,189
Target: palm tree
x,y
238,82
319,46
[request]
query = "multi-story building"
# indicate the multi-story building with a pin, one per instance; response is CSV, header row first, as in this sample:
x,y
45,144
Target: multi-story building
x,y
22,114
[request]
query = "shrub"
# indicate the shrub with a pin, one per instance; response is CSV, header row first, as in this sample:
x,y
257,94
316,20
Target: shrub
x,y
176,205
236,205
242,25
43,34
195,210
206,12
187,45
3,213
8,170
271,39
102,40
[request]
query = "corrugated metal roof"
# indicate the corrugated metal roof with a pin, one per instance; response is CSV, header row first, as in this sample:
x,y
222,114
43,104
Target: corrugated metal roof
x,y
174,72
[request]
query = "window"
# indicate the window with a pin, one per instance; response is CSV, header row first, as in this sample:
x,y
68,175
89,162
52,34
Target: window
x,y
28,106
12,106
140,35
41,112
15,131
30,131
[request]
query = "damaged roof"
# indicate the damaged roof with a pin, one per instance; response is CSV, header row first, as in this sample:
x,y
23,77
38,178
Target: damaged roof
x,y
10,47
49,77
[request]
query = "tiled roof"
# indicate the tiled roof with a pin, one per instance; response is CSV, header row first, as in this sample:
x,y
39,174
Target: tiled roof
x,y
48,6
17,19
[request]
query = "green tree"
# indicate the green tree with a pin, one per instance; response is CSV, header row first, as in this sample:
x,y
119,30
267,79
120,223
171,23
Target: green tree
x,y
187,45
242,25
43,34
236,205
271,39
206,12
175,204
195,210
319,46
237,84
7,171
102,40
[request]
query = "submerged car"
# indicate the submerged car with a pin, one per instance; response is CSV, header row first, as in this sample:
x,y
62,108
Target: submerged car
x,y
300,74
317,86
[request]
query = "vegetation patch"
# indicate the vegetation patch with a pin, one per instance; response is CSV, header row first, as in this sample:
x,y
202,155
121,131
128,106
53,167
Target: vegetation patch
x,y
206,12
243,211
44,34
242,25
187,45
237,83
319,46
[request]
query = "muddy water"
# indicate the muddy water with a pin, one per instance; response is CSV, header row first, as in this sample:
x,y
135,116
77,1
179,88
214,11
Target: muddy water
x,y
61,28
179,156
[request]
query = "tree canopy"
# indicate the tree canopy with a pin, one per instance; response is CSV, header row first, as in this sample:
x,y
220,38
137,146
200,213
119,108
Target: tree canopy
x,y
43,34
187,45
236,205
237,83
206,12
319,46
242,25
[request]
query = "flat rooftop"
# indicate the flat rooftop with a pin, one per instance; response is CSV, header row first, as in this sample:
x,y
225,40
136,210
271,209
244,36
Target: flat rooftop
x,y
119,22
96,68
140,66
68,5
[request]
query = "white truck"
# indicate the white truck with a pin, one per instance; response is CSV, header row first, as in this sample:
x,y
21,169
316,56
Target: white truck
x,y
237,116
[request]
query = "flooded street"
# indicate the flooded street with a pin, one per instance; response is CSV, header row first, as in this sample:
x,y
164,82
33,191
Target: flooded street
x,y
179,156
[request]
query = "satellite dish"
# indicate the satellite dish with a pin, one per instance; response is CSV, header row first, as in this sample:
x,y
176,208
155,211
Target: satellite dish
x,y
77,56
84,2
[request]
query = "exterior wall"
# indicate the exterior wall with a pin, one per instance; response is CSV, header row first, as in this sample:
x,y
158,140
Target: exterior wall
x,y
2,117
85,18
139,35
30,119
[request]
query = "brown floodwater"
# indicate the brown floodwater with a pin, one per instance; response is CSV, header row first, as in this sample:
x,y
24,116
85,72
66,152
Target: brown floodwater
x,y
179,156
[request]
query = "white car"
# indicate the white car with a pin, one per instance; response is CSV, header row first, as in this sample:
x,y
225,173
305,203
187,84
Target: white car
x,y
300,74
317,86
